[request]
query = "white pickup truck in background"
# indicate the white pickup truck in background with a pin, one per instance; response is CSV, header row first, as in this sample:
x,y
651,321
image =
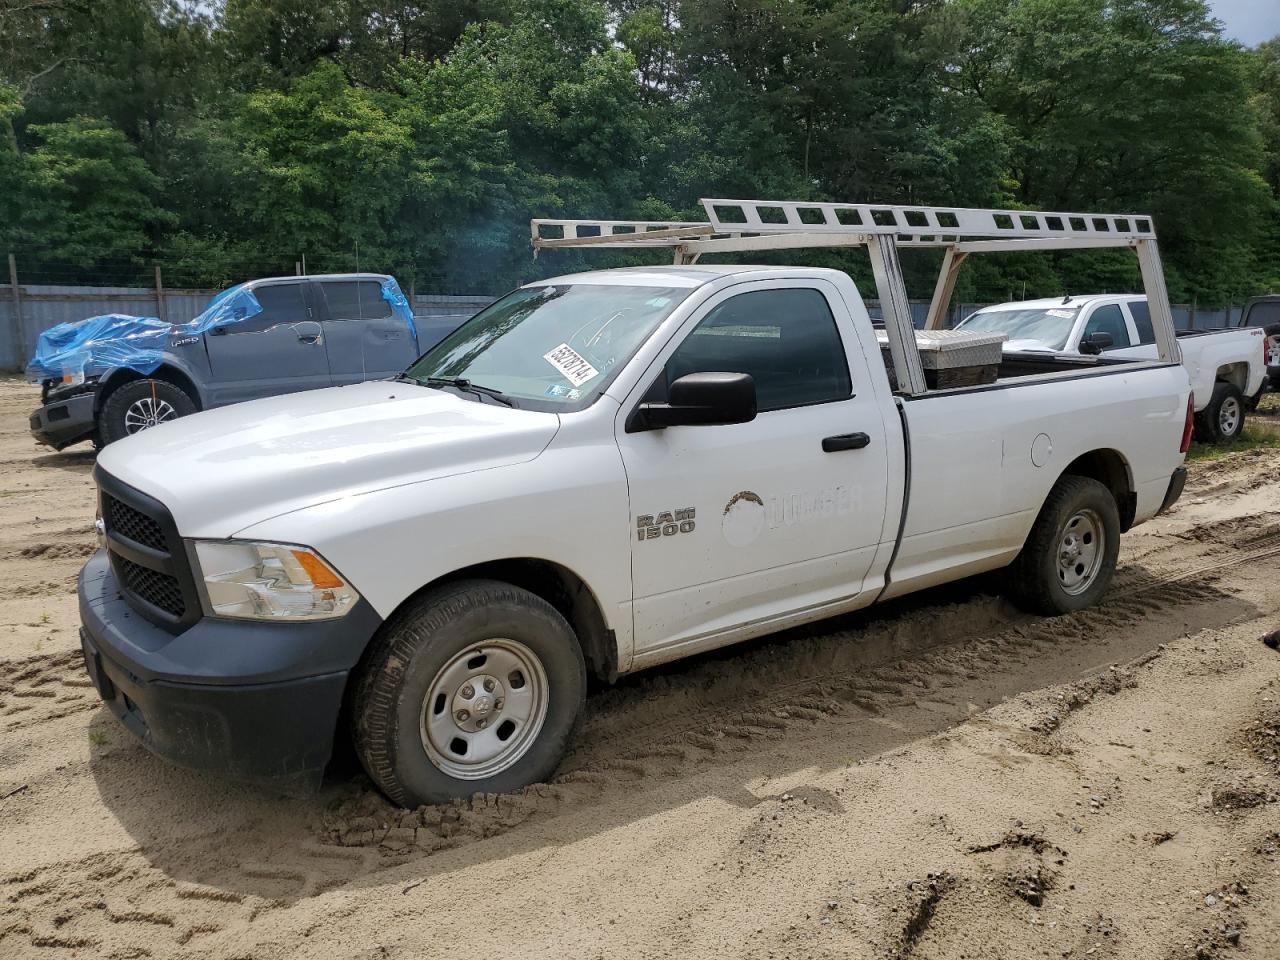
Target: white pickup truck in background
x,y
596,474
1228,367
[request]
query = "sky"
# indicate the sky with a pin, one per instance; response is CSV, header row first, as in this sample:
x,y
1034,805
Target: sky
x,y
1249,21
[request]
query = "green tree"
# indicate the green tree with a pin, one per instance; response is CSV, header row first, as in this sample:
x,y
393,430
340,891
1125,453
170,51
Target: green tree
x,y
1127,105
88,196
324,170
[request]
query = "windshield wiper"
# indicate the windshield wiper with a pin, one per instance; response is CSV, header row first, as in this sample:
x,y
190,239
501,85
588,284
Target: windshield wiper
x,y
466,386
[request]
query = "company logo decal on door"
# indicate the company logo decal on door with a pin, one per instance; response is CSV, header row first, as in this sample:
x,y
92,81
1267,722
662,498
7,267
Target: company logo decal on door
x,y
743,518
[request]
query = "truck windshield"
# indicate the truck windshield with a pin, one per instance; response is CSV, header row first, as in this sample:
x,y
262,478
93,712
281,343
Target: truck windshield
x,y
1040,328
550,347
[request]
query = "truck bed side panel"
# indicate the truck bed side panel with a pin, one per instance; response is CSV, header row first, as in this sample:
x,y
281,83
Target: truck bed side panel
x,y
984,460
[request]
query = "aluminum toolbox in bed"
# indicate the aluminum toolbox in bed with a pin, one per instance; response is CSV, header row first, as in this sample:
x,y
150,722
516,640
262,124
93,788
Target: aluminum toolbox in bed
x,y
953,358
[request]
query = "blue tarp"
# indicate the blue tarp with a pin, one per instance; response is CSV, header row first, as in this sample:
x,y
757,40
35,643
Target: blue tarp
x,y
392,293
89,348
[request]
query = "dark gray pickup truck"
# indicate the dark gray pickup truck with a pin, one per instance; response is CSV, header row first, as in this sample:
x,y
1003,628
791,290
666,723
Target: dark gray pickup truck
x,y
1264,312
298,333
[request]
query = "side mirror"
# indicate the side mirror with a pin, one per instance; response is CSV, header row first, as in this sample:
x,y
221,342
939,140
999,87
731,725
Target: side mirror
x,y
702,399
1095,343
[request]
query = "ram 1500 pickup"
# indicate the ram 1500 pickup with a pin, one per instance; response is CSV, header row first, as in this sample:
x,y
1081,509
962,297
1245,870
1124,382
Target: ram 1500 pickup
x,y
1228,368
596,474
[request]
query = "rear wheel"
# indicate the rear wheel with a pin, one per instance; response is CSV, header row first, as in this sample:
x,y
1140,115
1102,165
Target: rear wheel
x,y
1070,556
1223,418
476,687
140,405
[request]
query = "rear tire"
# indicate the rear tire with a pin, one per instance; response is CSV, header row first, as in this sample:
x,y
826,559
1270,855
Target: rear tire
x,y
475,687
1223,419
1070,555
140,405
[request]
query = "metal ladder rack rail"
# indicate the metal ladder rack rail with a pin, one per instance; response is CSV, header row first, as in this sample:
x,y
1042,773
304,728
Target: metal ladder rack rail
x,y
757,225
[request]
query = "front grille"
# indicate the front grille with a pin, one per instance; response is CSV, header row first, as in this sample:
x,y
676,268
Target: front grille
x,y
148,555
156,588
132,524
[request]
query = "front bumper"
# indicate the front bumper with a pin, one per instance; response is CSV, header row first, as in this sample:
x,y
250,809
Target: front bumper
x,y
249,700
62,422
1176,483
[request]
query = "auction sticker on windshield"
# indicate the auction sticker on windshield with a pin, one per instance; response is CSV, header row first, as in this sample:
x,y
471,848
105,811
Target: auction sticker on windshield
x,y
572,366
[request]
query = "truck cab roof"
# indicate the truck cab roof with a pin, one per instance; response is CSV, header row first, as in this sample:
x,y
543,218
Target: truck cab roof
x,y
1081,300
259,281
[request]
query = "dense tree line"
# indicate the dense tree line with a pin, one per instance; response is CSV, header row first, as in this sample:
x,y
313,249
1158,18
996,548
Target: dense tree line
x,y
229,139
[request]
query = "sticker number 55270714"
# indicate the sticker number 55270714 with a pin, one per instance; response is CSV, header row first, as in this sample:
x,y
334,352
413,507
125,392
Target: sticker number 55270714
x,y
572,366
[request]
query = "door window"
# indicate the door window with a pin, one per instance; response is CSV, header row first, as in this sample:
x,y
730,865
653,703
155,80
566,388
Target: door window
x,y
1141,313
785,339
355,300
281,303
1109,319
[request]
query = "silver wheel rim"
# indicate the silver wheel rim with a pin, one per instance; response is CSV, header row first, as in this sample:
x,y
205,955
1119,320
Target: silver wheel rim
x,y
1080,551
1229,416
484,709
146,413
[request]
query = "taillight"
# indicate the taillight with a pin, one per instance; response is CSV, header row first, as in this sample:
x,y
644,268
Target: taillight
x,y
1189,426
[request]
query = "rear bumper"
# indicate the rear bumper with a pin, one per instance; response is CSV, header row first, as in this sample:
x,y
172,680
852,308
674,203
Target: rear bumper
x,y
251,701
1176,483
60,423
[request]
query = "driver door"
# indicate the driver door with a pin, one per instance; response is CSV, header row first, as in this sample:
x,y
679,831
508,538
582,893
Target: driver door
x,y
742,523
280,350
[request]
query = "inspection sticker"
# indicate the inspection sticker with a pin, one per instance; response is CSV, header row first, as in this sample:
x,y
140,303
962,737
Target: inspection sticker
x,y
560,391
571,365
1061,314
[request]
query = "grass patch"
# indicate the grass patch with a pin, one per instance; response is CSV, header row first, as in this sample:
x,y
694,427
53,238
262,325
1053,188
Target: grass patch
x,y
1251,439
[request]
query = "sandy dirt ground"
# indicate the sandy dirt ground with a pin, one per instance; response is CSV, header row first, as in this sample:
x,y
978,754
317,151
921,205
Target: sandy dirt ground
x,y
941,778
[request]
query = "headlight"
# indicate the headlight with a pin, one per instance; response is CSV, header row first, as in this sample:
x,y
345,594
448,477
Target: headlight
x,y
270,581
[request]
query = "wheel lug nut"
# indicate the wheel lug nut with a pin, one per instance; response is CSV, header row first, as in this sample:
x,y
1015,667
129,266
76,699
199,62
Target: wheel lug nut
x,y
468,692
481,724
488,685
463,716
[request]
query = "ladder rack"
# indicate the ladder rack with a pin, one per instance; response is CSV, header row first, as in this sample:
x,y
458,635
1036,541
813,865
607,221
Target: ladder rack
x,y
731,223
759,225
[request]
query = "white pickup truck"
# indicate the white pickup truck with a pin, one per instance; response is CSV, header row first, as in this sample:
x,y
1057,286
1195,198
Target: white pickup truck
x,y
598,473
1228,368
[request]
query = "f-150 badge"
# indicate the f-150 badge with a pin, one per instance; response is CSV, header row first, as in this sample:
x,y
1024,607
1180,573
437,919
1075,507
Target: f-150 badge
x,y
666,524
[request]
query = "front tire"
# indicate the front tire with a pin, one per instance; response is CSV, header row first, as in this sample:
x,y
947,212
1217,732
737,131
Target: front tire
x,y
140,405
1223,419
476,687
1070,556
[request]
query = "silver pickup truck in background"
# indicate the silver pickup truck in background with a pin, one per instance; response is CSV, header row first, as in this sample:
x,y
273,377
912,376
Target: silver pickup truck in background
x,y
1228,367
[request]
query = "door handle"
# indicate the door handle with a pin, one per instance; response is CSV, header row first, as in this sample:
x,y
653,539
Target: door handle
x,y
845,441
309,337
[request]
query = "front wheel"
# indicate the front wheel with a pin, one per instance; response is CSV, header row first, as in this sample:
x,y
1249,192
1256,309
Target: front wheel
x,y
476,687
1223,419
140,405
1070,556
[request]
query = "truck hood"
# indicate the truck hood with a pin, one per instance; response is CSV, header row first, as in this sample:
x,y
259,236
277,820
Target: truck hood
x,y
223,470
1018,346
